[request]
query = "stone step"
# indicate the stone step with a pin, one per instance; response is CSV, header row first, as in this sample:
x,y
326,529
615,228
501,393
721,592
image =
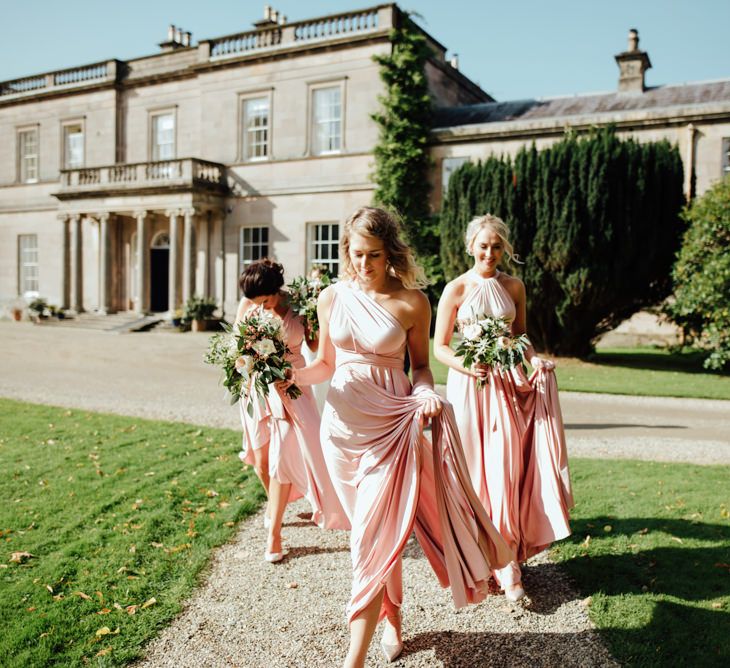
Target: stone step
x,y
118,323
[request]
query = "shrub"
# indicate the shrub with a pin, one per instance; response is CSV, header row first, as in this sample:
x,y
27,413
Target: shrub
x,y
701,276
199,308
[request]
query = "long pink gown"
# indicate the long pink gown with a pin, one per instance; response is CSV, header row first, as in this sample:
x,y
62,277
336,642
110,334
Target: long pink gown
x,y
514,442
290,427
389,478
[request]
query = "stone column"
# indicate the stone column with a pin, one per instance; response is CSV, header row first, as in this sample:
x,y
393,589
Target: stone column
x,y
219,253
173,294
140,297
187,254
689,168
104,262
65,252
202,256
77,274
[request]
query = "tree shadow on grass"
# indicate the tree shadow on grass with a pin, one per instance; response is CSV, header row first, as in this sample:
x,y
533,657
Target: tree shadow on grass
x,y
685,362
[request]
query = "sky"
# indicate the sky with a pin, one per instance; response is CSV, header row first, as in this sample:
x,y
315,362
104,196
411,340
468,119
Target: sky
x,y
513,49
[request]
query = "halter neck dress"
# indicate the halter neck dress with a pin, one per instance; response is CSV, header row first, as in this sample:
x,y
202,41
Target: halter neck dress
x,y
388,476
513,439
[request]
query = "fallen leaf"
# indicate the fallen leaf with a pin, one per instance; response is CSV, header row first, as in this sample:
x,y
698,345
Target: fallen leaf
x,y
131,609
100,595
229,524
157,545
587,541
717,605
148,603
58,597
608,528
211,493
587,601
103,631
20,557
49,588
104,652
292,585
103,611
644,531
132,548
117,606
721,565
679,540
32,607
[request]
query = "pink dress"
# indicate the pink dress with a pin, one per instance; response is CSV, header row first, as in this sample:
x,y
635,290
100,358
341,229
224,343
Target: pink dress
x,y
290,427
514,443
388,477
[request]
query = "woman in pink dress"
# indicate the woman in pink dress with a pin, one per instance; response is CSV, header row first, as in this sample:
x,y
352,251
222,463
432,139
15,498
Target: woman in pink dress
x,y
281,437
389,478
511,428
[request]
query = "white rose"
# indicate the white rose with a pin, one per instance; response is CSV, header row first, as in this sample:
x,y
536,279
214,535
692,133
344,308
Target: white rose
x,y
504,342
472,332
244,365
265,347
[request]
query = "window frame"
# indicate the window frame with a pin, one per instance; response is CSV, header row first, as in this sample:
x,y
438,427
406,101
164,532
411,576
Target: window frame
x,y
313,88
444,161
65,124
243,263
21,130
243,99
313,257
23,265
725,159
153,114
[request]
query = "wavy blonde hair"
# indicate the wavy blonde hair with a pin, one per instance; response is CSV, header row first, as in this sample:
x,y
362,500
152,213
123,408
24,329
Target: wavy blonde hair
x,y
381,224
496,225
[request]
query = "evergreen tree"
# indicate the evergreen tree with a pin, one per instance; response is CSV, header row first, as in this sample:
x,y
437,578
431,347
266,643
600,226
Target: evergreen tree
x,y
595,220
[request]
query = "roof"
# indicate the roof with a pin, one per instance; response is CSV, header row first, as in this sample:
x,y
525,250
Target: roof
x,y
584,105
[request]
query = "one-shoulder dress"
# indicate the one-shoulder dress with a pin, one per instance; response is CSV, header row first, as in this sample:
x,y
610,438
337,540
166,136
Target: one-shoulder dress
x,y
290,427
514,442
388,476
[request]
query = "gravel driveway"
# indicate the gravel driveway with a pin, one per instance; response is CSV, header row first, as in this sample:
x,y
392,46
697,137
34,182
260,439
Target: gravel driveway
x,y
251,613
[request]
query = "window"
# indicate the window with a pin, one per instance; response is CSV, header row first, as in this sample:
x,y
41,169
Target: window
x,y
448,167
73,146
28,155
163,136
28,264
323,246
255,128
254,244
326,120
726,156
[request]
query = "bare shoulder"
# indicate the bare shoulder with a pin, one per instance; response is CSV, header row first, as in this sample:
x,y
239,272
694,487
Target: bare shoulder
x,y
416,299
457,288
514,285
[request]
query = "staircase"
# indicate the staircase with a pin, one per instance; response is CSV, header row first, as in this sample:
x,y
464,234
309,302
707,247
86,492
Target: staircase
x,y
116,323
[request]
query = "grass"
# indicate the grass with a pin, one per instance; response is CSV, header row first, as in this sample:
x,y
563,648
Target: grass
x,y
120,515
638,371
651,547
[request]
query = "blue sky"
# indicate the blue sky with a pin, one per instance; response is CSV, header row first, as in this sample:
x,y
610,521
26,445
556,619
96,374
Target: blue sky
x,y
513,48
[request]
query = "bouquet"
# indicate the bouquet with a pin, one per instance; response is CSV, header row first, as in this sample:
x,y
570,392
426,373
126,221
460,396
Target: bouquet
x,y
488,340
303,295
252,356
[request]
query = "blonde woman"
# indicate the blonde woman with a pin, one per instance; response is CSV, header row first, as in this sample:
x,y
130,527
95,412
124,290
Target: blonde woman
x,y
511,427
381,465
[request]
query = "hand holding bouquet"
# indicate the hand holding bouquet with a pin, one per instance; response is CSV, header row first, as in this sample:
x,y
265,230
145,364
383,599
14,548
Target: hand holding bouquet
x,y
488,340
303,295
252,356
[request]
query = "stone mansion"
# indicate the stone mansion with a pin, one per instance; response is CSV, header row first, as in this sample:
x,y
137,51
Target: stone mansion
x,y
133,185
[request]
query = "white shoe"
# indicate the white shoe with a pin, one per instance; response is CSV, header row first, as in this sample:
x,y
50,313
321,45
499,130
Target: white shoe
x,y
391,652
514,593
267,521
273,557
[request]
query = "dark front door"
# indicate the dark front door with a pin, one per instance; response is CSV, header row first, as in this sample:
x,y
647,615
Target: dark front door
x,y
159,278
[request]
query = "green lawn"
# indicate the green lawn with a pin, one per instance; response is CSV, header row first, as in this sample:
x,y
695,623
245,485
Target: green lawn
x,y
651,547
120,515
640,371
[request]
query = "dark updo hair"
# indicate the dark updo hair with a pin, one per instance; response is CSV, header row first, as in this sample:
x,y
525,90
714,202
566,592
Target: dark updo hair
x,y
261,278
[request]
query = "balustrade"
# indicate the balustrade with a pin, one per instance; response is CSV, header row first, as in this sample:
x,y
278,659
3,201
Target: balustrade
x,y
61,78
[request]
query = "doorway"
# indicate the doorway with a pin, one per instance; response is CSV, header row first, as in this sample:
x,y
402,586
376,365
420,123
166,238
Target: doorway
x,y
160,273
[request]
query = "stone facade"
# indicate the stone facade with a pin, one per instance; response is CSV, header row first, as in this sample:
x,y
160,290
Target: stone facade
x,y
130,186
169,200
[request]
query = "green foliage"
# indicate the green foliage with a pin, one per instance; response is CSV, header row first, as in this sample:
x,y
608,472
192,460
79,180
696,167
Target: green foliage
x,y
39,306
199,308
401,154
117,513
650,547
596,220
702,276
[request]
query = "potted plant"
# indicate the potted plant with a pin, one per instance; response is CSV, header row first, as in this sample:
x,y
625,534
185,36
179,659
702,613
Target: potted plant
x,y
197,310
38,309
177,317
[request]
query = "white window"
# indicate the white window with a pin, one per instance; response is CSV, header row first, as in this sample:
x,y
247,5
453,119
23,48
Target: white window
x,y
254,244
726,156
326,120
73,146
255,128
448,167
28,264
163,136
28,155
323,246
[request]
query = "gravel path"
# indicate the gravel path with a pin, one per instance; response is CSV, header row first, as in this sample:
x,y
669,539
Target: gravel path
x,y
253,614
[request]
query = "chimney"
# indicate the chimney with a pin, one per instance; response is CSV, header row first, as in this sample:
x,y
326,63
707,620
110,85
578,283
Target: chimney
x,y
632,64
454,62
177,38
270,20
